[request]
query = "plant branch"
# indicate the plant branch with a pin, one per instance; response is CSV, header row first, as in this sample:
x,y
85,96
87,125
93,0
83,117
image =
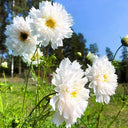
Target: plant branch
x,y
28,78
98,119
116,52
37,106
116,116
35,122
122,108
40,102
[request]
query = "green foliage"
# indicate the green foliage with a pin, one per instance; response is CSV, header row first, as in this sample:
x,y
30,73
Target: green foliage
x,y
28,105
75,44
14,118
116,64
70,49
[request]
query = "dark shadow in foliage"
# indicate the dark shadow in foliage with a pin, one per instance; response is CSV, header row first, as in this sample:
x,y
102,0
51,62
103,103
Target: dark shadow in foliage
x,y
122,69
70,49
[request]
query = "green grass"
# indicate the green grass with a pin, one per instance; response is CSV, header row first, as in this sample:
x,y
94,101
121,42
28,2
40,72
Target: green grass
x,y
13,115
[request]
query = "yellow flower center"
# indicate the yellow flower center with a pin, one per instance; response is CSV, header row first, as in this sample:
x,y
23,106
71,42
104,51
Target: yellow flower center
x,y
23,36
102,78
50,23
73,94
34,57
105,77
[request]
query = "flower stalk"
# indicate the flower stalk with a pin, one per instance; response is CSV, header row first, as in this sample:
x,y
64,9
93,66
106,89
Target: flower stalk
x,y
26,85
44,98
99,114
116,52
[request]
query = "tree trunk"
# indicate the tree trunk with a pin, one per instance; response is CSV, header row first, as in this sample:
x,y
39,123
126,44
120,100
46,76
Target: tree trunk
x,y
19,66
12,66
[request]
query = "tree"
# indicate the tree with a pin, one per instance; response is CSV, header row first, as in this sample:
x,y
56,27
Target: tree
x,y
93,48
9,9
124,65
109,54
70,49
3,23
73,45
124,55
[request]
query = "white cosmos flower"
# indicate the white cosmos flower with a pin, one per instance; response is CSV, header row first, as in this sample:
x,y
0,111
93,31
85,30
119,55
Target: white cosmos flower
x,y
102,79
71,98
51,23
29,57
19,38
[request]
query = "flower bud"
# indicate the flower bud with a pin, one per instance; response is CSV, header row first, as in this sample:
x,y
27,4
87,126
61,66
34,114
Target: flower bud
x,y
4,65
91,56
53,57
124,41
16,121
79,54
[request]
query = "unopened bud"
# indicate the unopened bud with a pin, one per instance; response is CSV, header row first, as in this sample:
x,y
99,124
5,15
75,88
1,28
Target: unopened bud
x,y
4,65
124,41
79,54
91,56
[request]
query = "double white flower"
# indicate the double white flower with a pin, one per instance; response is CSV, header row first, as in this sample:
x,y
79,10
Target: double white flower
x,y
19,38
71,98
102,79
35,59
51,23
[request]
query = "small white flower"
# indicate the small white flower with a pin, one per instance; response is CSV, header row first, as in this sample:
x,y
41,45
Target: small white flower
x,y
91,56
29,57
19,38
51,23
4,64
71,98
103,79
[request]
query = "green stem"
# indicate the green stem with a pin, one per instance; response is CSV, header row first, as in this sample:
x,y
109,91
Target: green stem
x,y
40,102
45,106
44,75
28,79
98,119
38,79
116,116
122,108
1,103
116,52
5,101
37,107
38,88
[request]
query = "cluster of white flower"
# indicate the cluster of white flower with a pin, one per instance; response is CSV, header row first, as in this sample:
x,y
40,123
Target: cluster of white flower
x,y
51,24
48,24
70,101
71,97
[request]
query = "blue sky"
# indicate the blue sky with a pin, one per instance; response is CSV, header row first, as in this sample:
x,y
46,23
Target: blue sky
x,y
100,21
